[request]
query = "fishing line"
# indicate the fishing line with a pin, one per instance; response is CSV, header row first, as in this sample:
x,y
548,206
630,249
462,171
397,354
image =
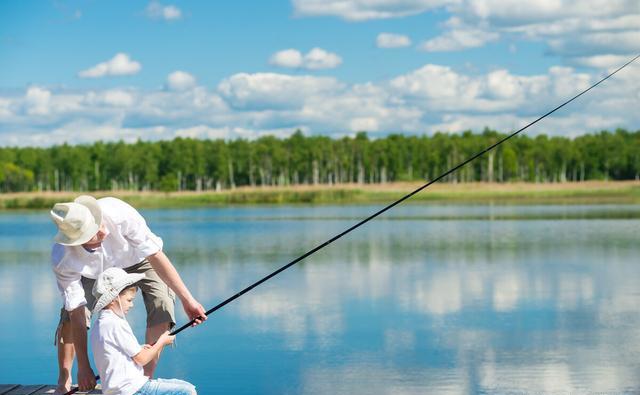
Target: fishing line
x,y
390,206
402,199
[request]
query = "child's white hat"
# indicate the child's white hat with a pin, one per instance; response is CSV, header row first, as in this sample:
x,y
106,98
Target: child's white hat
x,y
109,285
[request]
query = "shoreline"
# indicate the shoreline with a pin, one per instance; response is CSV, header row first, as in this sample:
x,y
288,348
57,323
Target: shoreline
x,y
588,192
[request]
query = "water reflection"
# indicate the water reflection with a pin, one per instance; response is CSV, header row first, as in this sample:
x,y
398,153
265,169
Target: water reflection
x,y
433,300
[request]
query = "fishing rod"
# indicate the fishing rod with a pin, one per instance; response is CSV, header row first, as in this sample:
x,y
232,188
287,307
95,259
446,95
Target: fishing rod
x,y
390,206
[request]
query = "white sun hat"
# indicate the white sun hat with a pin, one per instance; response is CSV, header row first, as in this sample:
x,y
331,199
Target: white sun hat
x,y
77,221
109,285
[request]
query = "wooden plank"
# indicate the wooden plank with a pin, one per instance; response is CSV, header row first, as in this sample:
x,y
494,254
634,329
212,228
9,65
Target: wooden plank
x,y
97,390
47,389
40,389
4,388
26,389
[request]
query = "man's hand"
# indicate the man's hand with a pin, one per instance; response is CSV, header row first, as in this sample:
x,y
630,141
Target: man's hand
x,y
194,311
86,378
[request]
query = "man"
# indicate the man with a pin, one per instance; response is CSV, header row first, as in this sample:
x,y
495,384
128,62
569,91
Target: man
x,y
94,235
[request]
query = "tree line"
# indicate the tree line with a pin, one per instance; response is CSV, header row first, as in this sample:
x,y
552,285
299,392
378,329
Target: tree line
x,y
197,165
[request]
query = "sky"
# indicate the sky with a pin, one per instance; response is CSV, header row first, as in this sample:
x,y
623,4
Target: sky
x,y
82,71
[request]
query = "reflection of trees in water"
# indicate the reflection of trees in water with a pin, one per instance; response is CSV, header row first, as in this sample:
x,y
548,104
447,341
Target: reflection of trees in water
x,y
471,241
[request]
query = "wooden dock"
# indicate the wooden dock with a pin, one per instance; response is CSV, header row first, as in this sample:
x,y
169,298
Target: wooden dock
x,y
35,389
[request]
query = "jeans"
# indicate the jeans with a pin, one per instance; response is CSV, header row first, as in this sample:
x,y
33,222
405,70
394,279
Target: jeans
x,y
166,387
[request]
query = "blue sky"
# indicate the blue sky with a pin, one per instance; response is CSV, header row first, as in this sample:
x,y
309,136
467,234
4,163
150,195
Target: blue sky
x,y
79,71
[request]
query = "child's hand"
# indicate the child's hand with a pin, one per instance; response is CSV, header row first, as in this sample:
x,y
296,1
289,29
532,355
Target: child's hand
x,y
166,339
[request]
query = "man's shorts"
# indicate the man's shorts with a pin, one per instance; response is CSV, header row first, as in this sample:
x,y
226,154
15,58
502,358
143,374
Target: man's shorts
x,y
159,299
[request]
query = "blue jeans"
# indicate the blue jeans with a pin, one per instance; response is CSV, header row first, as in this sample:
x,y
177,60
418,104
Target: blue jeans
x,y
166,387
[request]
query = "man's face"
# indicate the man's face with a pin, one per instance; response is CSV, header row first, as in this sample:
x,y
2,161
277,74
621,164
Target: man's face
x,y
96,240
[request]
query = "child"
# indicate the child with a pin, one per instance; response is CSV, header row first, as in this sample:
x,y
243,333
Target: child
x,y
117,354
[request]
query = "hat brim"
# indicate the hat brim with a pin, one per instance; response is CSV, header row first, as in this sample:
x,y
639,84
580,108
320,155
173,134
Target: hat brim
x,y
61,238
107,298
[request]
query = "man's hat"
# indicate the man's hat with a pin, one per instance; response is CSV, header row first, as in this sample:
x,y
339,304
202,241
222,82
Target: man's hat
x,y
78,221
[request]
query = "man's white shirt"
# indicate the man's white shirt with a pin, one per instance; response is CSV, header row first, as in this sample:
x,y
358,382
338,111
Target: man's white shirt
x,y
128,242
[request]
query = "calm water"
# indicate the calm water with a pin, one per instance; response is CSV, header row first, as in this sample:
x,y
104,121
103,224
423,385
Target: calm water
x,y
429,299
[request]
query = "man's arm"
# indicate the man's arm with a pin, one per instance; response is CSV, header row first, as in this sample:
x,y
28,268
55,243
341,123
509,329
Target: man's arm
x,y
168,273
86,377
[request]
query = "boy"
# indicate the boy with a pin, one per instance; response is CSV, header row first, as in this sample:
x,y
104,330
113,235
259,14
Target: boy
x,y
116,352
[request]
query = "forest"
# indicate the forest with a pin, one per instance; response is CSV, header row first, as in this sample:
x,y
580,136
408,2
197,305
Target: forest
x,y
197,165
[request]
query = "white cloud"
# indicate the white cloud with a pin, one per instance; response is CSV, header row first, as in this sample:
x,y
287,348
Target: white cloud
x,y
5,108
318,58
229,133
459,39
583,33
315,59
573,30
37,101
430,98
118,98
155,10
291,58
391,40
180,80
601,61
276,91
360,10
120,64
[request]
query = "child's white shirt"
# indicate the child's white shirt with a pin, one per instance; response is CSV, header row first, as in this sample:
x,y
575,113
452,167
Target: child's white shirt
x,y
114,347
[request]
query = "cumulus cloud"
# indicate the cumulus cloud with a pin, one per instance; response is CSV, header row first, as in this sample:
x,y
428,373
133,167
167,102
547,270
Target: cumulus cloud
x,y
37,101
119,65
580,32
155,10
391,40
271,90
180,80
459,37
291,58
428,99
361,10
584,33
316,59
116,97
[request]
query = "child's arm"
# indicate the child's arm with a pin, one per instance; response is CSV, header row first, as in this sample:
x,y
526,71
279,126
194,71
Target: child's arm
x,y
148,353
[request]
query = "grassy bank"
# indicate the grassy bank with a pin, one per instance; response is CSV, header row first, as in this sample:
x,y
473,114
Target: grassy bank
x,y
515,193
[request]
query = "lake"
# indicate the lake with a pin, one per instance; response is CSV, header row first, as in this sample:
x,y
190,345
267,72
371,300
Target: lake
x,y
453,299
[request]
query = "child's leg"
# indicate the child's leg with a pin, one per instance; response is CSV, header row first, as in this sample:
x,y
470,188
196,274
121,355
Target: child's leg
x,y
167,387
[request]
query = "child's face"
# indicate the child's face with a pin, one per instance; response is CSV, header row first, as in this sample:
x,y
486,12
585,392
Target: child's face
x,y
126,301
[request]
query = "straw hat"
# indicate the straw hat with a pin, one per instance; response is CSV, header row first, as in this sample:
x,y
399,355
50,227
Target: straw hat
x,y
109,285
78,221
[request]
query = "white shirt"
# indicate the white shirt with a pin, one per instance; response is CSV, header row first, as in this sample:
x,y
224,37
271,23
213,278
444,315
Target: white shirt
x,y
114,347
128,242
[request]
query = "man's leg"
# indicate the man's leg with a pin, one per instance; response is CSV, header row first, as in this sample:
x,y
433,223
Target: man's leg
x,y
159,302
66,354
64,339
